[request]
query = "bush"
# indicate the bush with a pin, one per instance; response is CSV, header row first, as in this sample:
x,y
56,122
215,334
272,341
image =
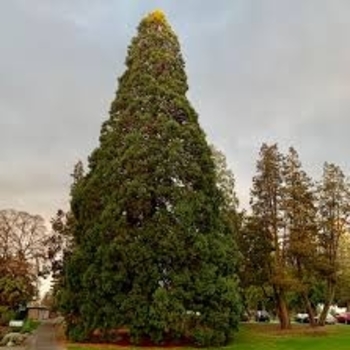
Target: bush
x,y
29,326
77,333
6,315
209,337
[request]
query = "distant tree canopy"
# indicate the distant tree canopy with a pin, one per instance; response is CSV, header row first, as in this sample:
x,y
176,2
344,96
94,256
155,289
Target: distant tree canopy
x,y
342,292
153,248
291,241
22,254
22,234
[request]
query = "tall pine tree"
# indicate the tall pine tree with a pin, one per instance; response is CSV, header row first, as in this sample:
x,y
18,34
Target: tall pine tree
x,y
267,215
153,250
333,204
300,229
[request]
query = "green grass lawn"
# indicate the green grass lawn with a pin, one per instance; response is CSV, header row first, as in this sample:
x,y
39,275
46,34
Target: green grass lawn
x,y
268,337
300,338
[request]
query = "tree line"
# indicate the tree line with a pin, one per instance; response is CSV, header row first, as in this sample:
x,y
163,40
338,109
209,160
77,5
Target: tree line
x,y
294,240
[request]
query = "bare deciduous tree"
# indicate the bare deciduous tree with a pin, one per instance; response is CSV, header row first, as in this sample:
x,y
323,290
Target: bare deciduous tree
x,y
22,255
22,235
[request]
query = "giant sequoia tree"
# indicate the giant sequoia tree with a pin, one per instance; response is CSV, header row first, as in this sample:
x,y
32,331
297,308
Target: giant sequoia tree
x,y
152,250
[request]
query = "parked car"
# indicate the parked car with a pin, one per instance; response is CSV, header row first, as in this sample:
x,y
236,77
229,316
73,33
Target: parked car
x,y
262,316
302,318
343,318
330,319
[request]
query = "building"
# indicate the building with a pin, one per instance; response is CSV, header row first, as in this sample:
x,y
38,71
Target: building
x,y
38,313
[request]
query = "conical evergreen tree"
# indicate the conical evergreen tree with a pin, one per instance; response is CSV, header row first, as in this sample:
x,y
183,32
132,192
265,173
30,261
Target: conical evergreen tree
x,y
153,252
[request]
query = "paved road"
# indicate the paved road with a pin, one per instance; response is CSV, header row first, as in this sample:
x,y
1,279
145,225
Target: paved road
x,y
45,338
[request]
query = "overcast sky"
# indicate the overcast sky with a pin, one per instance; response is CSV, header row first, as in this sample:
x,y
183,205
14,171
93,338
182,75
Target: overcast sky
x,y
268,70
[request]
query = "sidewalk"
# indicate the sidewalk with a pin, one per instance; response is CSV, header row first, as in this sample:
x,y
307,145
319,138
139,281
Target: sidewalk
x,y
44,338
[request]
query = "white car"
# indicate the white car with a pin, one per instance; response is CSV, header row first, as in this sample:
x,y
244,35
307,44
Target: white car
x,y
304,318
330,319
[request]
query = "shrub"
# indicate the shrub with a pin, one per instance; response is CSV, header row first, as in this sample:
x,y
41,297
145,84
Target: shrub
x,y
29,326
6,315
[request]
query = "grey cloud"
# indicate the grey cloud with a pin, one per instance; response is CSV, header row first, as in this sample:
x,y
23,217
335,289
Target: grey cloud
x,y
258,71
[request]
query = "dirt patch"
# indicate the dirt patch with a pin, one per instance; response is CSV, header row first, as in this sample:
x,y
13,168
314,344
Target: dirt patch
x,y
121,338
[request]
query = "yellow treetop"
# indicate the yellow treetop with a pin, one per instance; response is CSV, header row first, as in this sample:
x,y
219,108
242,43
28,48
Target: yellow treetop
x,y
157,16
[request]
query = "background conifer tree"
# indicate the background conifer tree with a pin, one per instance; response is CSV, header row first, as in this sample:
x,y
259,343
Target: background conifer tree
x,y
333,204
300,228
266,204
152,248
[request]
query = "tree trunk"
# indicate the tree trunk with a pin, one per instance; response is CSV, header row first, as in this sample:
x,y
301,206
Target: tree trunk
x,y
309,309
282,309
246,307
327,304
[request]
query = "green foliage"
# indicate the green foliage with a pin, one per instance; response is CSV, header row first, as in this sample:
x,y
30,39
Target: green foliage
x,y
299,206
333,197
333,214
256,251
77,332
6,315
342,295
279,240
225,179
17,282
29,326
300,226
292,240
152,241
267,223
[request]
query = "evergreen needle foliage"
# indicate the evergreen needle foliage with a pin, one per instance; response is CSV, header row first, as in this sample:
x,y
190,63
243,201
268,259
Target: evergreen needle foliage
x,y
153,251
